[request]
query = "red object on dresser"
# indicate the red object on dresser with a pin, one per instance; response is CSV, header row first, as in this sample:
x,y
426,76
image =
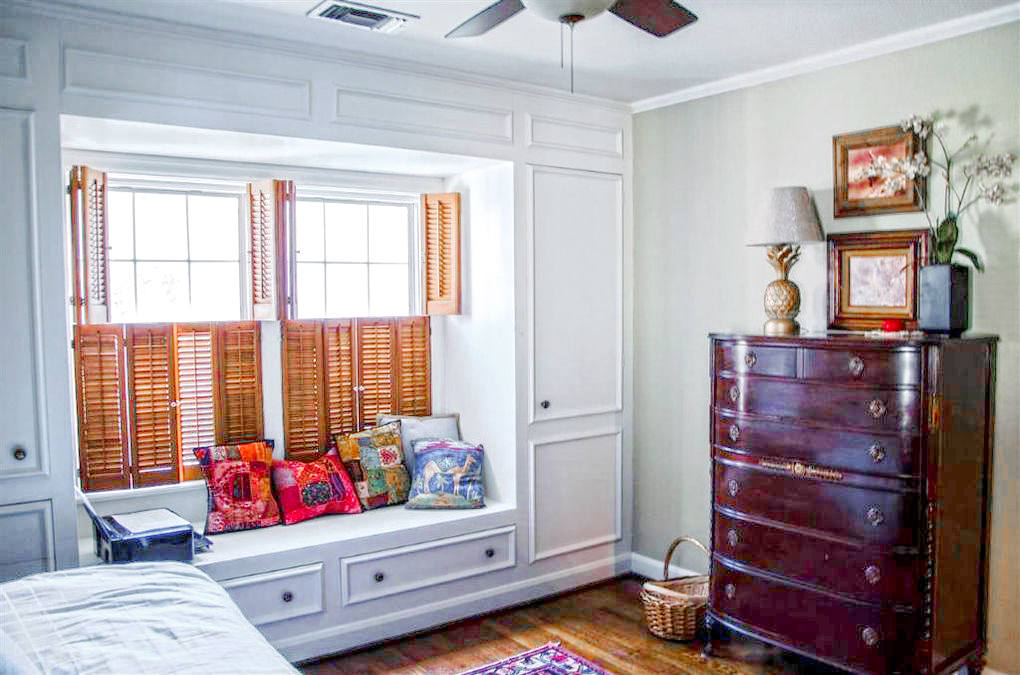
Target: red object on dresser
x,y
851,480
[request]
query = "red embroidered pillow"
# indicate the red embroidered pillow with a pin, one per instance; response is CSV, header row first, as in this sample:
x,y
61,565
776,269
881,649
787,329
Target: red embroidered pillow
x,y
237,479
310,489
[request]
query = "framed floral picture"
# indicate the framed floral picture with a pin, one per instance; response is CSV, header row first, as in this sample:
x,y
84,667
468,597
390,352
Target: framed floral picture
x,y
870,172
873,276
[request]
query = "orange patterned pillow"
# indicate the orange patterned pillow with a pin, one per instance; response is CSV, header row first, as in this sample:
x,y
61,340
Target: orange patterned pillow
x,y
238,483
375,461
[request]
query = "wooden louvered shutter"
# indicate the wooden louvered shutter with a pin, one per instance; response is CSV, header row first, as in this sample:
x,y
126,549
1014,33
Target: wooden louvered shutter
x,y
195,348
304,416
377,361
151,383
414,385
89,245
103,452
240,379
271,209
440,215
341,377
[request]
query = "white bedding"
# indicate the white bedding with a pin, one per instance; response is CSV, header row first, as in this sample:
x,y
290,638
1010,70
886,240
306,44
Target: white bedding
x,y
145,617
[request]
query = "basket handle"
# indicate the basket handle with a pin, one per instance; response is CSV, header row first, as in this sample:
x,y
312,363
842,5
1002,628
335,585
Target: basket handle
x,y
672,547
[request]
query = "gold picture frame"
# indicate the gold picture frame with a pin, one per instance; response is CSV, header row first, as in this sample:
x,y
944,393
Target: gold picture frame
x,y
857,190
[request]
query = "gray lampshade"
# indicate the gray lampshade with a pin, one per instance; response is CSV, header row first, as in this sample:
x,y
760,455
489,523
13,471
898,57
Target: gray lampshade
x,y
790,218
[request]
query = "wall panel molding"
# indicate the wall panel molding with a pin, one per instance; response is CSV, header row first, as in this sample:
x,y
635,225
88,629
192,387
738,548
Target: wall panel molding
x,y
28,535
14,60
560,134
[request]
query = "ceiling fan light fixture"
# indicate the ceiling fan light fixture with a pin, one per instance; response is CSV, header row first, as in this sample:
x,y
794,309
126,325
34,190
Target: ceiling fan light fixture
x,y
556,10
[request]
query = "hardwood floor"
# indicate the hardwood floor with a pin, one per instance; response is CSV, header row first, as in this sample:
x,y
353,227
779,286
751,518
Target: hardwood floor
x,y
603,623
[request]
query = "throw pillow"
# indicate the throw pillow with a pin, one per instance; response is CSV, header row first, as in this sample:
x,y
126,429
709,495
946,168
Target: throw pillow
x,y
375,461
448,475
309,489
238,483
435,427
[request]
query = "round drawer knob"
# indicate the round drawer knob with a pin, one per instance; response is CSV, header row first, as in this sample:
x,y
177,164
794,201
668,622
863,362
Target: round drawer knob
x,y
750,359
733,487
545,405
856,366
379,576
732,537
734,433
872,574
876,408
287,596
875,516
490,552
876,452
734,393
19,453
869,636
730,590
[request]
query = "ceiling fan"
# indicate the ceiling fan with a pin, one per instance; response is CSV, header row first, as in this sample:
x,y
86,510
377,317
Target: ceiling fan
x,y
657,17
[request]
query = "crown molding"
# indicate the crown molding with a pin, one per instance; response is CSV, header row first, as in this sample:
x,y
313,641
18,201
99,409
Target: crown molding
x,y
861,52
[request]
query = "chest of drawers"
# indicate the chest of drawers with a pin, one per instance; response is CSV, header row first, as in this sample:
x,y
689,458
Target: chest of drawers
x,y
850,497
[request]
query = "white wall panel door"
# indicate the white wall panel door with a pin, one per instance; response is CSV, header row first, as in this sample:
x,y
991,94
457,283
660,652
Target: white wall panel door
x,y
577,235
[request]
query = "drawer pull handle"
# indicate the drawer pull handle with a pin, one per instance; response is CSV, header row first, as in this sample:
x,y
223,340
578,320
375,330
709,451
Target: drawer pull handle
x,y
490,552
876,452
876,408
379,576
875,516
734,393
869,636
732,538
872,574
750,359
287,596
856,366
730,590
734,433
19,453
801,470
733,487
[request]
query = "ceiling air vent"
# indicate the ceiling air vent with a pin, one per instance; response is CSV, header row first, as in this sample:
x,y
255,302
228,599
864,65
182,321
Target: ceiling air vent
x,y
361,16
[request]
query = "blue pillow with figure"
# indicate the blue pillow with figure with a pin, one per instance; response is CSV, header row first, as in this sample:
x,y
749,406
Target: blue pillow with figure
x,y
447,475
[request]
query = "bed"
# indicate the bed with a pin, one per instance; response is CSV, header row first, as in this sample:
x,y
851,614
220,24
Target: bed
x,y
142,617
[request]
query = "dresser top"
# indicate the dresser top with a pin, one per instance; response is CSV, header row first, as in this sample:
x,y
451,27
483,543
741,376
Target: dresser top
x,y
857,338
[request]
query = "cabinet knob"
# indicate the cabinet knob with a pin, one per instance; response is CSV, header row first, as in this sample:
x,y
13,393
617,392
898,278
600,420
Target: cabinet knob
x,y
490,552
19,453
876,408
875,516
734,432
730,590
287,596
856,366
732,538
379,576
733,487
750,359
734,393
869,636
876,452
872,574
545,405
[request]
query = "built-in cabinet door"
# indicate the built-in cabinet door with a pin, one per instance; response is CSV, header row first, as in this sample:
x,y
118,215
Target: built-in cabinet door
x,y
577,296
34,486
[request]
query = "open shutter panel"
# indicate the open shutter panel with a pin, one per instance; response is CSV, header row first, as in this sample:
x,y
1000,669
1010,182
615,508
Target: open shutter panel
x,y
376,349
414,386
240,377
102,420
89,245
303,396
271,208
153,398
441,224
341,401
195,347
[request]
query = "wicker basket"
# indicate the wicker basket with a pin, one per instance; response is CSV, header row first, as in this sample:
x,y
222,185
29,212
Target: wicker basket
x,y
674,608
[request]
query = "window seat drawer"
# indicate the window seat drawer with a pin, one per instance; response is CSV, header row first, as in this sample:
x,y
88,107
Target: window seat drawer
x,y
400,570
279,595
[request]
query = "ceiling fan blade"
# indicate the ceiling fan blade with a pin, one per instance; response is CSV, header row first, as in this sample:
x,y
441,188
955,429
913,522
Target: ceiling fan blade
x,y
658,17
487,19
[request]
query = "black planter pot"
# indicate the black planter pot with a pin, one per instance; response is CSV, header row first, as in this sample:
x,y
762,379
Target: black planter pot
x,y
944,299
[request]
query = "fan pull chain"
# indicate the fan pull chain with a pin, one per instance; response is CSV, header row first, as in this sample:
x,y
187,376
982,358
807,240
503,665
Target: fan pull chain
x,y
571,58
561,46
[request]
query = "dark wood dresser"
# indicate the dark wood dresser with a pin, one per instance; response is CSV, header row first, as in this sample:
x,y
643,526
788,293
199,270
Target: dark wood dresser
x,y
851,480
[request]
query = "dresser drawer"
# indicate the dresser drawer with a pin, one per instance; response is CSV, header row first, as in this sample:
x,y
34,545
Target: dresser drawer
x,y
738,357
869,574
870,516
880,367
400,570
279,595
856,635
895,410
863,452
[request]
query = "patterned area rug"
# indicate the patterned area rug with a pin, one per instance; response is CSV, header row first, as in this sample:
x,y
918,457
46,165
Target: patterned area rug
x,y
550,659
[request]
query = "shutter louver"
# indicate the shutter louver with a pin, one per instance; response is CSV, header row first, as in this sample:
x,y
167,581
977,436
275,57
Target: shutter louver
x,y
440,215
303,390
89,245
341,401
271,209
103,452
240,377
376,348
152,395
196,386
414,386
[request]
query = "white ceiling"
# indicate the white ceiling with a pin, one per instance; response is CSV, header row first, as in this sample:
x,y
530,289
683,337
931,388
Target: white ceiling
x,y
612,59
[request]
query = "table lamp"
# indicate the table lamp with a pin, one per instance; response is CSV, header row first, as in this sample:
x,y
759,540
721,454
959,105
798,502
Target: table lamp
x,y
791,219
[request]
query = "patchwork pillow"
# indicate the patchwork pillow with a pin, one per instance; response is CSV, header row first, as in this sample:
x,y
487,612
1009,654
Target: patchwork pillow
x,y
237,479
448,475
375,460
435,427
309,489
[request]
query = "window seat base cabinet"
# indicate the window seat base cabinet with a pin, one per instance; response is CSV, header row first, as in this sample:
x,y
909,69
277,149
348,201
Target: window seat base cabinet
x,y
851,483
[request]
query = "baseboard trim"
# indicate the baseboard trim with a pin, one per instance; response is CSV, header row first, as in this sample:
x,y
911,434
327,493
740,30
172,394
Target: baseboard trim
x,y
650,568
